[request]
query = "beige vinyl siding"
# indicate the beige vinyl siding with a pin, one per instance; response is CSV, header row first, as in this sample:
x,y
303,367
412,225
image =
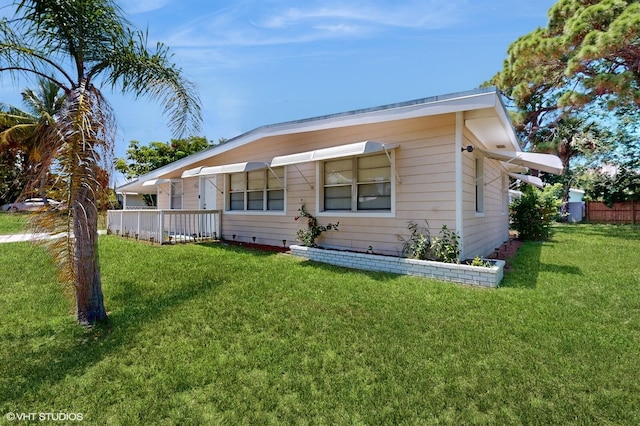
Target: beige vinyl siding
x,y
483,233
191,191
424,161
164,196
425,191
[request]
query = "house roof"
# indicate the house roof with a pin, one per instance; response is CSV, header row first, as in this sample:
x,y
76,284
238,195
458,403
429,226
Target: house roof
x,y
487,118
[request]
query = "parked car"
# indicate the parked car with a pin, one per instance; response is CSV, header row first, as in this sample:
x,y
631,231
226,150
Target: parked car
x,y
31,204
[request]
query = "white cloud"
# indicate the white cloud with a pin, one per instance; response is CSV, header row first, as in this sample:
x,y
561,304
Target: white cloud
x,y
142,6
414,14
248,25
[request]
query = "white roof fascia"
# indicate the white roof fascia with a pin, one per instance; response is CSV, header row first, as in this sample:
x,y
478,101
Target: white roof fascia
x,y
531,180
533,160
349,150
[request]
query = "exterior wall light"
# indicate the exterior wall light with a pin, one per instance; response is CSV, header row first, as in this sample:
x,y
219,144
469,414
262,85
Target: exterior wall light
x,y
468,148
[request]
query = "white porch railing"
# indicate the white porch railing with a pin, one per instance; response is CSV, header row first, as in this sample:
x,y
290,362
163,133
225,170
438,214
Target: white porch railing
x,y
165,226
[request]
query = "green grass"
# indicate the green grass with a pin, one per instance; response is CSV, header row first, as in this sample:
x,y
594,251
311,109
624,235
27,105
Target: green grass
x,y
208,334
16,223
13,223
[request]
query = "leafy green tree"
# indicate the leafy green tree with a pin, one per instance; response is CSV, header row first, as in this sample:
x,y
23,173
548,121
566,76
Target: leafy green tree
x,y
533,214
610,188
573,138
602,43
142,159
614,175
587,55
78,45
571,83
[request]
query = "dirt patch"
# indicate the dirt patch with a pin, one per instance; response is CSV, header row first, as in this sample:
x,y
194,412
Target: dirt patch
x,y
507,252
253,246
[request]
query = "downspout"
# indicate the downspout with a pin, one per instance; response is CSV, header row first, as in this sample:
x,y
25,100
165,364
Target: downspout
x,y
459,139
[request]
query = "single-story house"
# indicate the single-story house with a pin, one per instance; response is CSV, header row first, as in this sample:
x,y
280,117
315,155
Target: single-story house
x,y
443,160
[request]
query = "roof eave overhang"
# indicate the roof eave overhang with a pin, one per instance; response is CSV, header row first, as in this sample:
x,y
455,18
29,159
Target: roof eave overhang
x,y
485,98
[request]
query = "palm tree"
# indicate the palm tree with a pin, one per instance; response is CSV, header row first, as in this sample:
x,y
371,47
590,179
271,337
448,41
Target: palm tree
x,y
79,45
20,135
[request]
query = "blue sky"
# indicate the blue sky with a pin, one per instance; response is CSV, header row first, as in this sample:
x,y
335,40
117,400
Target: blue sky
x,y
263,62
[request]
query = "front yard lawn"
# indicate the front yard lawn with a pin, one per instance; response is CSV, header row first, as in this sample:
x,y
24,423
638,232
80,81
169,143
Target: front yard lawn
x,y
209,334
13,223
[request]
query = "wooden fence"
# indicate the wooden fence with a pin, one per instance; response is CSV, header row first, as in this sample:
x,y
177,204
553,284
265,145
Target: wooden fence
x,y
625,212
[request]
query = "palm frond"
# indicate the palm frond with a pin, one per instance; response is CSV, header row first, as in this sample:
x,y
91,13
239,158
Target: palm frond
x,y
76,29
142,72
81,145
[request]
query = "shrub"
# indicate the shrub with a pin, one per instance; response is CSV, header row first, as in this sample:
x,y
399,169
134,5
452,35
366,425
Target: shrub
x,y
419,245
478,261
446,247
533,214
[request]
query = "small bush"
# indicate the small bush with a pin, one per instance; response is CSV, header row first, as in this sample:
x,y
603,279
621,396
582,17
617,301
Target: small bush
x,y
419,245
533,214
478,261
446,247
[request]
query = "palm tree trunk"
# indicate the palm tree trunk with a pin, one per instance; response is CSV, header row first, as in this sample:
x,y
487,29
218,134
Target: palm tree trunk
x,y
86,265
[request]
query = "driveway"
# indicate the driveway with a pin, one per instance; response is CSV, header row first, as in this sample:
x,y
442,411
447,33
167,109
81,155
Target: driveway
x,y
16,238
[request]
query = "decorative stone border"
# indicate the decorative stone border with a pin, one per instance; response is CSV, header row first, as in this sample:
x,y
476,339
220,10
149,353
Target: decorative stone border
x,y
465,274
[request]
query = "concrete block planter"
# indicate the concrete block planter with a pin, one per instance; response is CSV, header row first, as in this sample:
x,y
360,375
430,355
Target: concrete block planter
x,y
465,274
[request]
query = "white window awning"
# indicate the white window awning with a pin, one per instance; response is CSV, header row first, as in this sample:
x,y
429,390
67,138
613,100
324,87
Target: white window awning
x,y
225,168
513,168
154,182
533,160
359,148
531,180
191,172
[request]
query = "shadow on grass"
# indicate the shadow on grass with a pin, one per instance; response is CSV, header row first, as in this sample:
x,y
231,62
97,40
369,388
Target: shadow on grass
x,y
71,350
375,275
524,267
560,269
239,247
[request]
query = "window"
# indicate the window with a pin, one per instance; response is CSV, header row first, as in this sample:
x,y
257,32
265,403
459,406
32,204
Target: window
x,y
176,195
479,179
258,190
357,184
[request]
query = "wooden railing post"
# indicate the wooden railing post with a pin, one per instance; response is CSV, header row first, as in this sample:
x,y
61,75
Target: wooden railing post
x,y
161,224
218,223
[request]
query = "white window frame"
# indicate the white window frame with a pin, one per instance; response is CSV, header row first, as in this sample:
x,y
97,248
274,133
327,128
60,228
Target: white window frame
x,y
353,212
268,173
